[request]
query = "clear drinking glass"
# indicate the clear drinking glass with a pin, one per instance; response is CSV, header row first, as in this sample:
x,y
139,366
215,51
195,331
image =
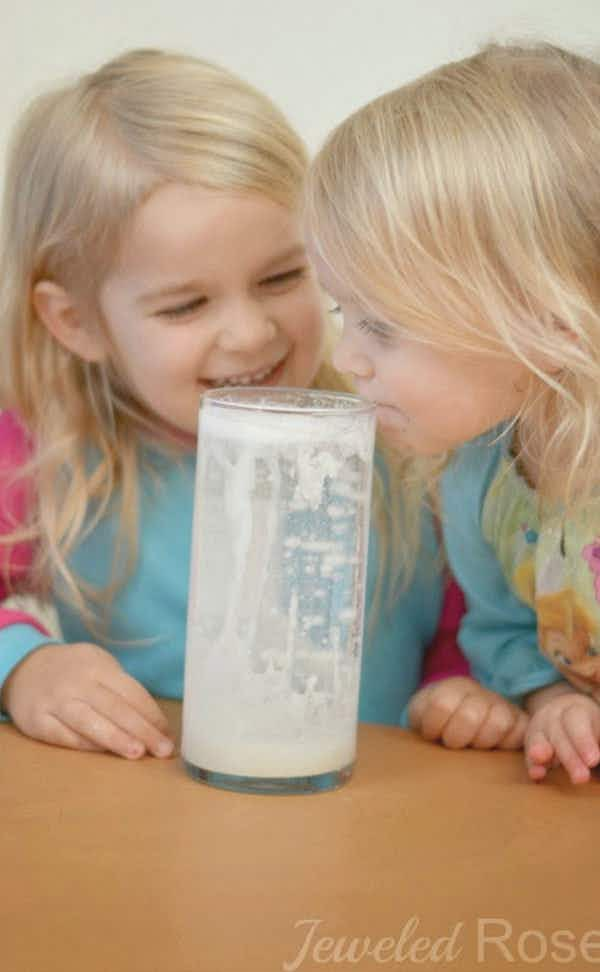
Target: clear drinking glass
x,y
277,584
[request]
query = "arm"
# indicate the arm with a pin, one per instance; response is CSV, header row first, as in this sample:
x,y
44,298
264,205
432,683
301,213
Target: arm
x,y
498,633
74,695
22,625
398,628
451,706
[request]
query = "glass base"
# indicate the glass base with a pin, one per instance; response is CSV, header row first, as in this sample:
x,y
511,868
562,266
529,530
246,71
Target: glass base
x,y
271,784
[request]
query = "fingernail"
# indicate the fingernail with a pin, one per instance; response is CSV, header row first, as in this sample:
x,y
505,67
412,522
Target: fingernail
x,y
135,750
164,748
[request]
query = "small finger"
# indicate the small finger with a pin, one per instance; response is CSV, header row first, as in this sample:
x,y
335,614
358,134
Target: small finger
x,y
466,722
136,695
539,753
515,737
122,714
578,726
537,772
57,733
498,722
440,706
98,729
569,757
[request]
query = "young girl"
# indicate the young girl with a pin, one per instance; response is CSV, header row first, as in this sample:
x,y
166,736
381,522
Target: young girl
x,y
457,220
152,250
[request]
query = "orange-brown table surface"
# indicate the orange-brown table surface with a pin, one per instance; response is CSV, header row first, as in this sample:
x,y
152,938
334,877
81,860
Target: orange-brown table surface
x,y
115,866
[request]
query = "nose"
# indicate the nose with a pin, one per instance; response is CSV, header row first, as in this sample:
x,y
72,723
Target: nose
x,y
246,326
350,358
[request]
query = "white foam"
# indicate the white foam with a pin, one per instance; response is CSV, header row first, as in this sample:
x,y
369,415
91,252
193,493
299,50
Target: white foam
x,y
288,428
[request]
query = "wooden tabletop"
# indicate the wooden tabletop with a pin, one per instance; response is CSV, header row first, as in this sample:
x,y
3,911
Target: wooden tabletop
x,y
115,866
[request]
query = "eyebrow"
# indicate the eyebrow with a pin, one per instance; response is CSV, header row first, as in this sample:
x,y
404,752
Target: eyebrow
x,y
190,286
171,290
292,253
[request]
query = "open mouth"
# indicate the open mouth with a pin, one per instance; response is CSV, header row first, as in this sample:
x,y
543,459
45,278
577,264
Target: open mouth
x,y
263,377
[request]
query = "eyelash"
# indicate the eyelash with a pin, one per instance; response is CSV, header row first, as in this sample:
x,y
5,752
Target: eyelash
x,y
281,278
376,328
182,309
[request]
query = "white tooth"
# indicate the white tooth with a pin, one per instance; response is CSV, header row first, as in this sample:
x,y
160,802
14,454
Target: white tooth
x,y
246,379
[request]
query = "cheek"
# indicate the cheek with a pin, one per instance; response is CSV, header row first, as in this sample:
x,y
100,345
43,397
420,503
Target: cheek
x,y
154,358
402,378
306,323
130,340
444,390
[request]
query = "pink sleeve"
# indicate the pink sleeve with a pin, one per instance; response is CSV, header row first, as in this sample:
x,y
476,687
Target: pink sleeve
x,y
16,561
444,658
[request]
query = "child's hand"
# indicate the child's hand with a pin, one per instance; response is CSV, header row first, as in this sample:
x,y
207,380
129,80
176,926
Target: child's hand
x,y
80,697
564,729
460,713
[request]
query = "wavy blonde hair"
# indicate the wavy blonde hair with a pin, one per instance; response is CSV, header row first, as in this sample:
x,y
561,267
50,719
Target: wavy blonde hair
x,y
82,160
466,205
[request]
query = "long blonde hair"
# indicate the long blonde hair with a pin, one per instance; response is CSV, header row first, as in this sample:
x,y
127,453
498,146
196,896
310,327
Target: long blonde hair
x,y
82,160
466,206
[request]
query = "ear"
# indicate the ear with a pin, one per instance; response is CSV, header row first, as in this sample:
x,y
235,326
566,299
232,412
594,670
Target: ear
x,y
63,317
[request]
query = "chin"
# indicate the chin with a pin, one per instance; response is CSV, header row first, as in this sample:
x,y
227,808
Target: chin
x,y
393,439
397,439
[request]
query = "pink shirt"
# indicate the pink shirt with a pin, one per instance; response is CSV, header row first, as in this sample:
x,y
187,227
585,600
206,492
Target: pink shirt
x,y
15,562
444,658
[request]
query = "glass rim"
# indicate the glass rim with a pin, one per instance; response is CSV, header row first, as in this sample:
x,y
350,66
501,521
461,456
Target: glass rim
x,y
252,398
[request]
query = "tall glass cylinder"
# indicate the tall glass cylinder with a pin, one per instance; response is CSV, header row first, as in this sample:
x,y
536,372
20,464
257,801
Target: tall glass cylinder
x,y
277,585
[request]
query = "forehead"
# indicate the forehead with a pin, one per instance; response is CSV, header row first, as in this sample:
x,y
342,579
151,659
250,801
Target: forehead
x,y
180,223
328,277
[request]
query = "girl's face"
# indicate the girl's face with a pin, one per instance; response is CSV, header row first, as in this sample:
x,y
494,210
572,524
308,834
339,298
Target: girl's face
x,y
209,289
428,399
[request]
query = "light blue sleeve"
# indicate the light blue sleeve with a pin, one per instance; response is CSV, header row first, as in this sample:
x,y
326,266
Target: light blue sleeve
x,y
397,634
498,634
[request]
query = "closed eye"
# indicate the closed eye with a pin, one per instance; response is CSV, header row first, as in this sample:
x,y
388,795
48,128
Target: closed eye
x,y
282,279
377,328
180,310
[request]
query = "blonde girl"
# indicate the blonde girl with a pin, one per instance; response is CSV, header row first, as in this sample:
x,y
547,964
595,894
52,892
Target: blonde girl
x,y
152,249
457,221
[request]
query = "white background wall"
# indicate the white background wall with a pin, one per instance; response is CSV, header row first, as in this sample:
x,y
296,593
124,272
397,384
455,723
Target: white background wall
x,y
319,59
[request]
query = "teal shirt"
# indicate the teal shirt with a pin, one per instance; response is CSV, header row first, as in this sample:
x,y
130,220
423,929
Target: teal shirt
x,y
498,633
148,617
